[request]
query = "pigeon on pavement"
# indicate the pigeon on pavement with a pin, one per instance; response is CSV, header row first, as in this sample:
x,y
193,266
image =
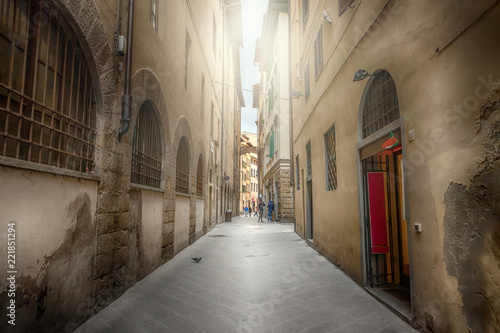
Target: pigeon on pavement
x,y
197,259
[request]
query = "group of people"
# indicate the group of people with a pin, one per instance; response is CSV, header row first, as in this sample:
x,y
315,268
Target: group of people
x,y
260,210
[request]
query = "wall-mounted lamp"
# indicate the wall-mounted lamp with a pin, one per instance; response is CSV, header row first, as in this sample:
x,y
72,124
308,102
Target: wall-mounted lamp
x,y
361,75
327,17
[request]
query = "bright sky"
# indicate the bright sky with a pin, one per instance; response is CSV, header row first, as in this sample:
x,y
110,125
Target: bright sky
x,y
252,12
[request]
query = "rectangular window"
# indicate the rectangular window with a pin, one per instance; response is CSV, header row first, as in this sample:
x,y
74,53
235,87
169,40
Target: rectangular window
x,y
297,171
308,157
343,5
271,145
318,53
154,14
214,37
202,107
307,88
330,160
305,11
186,55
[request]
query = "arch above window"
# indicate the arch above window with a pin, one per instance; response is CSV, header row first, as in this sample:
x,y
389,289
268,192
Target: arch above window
x,y
146,148
381,106
47,95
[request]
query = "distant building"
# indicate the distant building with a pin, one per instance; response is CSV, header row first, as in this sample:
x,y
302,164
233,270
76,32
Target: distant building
x,y
249,190
273,120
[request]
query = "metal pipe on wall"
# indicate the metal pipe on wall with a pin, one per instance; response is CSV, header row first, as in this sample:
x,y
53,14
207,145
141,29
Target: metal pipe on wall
x,y
127,97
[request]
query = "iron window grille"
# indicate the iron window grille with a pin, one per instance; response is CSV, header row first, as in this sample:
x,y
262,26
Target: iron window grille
x,y
146,149
343,5
331,160
381,106
47,97
182,168
308,158
318,53
199,178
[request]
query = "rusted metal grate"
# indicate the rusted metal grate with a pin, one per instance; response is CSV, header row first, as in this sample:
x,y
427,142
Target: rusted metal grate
x,y
331,160
381,105
343,5
146,149
199,178
182,168
308,160
47,99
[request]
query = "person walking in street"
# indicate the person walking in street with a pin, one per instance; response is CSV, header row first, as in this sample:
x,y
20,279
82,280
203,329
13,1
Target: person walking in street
x,y
256,211
261,211
246,210
270,208
249,211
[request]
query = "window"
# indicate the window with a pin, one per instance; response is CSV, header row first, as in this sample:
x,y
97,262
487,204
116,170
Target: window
x,y
154,14
305,11
186,56
214,37
308,157
202,97
271,145
182,167
330,160
381,106
146,149
297,171
47,97
318,53
343,5
306,82
199,178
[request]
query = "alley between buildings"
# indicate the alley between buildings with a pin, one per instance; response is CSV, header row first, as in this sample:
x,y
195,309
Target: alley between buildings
x,y
253,277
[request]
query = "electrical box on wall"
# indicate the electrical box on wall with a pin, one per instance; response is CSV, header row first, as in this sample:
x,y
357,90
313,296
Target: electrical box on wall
x,y
418,227
121,45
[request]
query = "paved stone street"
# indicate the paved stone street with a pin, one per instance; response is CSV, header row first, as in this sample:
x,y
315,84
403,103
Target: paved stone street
x,y
254,277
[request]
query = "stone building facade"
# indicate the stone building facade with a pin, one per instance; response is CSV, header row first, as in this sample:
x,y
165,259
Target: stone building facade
x,y
102,180
396,174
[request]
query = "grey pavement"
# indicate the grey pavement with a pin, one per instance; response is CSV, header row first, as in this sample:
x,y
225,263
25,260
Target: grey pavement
x,y
254,277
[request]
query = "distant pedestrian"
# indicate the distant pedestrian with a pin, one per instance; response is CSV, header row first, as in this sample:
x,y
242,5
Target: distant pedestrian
x,y
246,211
270,208
250,211
261,211
256,211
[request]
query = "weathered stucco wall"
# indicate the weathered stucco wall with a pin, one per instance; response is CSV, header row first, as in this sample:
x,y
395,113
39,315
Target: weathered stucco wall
x,y
200,217
181,231
55,218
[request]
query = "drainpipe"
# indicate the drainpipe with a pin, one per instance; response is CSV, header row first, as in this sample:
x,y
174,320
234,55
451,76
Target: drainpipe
x,y
127,97
290,110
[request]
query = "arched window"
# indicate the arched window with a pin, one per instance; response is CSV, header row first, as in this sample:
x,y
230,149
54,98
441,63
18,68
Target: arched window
x,y
182,167
47,98
199,178
146,148
381,105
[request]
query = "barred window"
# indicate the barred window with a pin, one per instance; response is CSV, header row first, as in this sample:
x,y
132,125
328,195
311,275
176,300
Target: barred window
x,y
146,148
318,53
199,178
343,5
307,88
47,97
182,167
381,106
330,160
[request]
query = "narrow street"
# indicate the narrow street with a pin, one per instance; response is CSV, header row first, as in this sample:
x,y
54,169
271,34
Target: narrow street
x,y
253,277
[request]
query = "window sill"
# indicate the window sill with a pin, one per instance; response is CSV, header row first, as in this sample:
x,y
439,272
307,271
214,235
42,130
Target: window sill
x,y
147,188
20,164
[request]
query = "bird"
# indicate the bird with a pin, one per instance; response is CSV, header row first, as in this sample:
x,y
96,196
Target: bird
x,y
197,259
